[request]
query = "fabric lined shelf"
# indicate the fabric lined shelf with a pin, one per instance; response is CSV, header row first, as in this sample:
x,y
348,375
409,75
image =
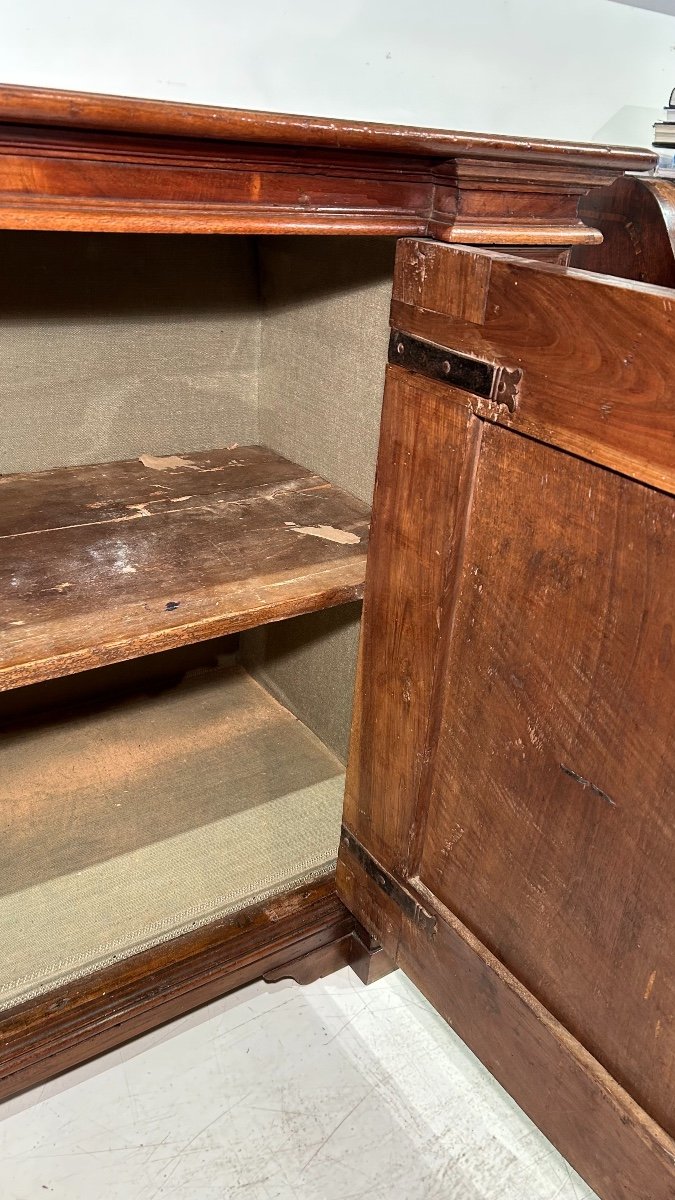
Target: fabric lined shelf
x,y
128,822
108,562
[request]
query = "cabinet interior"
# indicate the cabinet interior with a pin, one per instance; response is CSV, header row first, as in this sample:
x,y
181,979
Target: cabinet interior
x,y
143,797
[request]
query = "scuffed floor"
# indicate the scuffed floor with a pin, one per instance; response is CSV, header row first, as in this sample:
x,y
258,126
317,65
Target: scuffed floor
x,y
330,1092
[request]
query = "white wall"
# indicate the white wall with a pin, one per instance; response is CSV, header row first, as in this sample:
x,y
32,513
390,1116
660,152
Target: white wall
x,y
588,69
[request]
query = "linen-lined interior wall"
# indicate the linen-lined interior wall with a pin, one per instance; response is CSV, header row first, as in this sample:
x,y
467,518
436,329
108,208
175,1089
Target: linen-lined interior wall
x,y
323,353
114,345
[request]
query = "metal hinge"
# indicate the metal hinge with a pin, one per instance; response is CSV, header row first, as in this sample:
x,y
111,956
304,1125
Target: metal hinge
x,y
489,381
396,892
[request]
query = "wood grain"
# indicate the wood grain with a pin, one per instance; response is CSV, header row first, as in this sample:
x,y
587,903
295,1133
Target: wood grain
x,y
618,1149
84,110
418,505
510,840
84,162
558,800
43,1038
636,217
595,381
106,562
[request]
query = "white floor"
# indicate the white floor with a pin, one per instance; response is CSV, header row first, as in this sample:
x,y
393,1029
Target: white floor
x,y
330,1092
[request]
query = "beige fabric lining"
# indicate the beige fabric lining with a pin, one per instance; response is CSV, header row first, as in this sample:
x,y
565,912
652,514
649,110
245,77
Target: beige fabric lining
x,y
324,348
131,823
265,798
113,345
324,334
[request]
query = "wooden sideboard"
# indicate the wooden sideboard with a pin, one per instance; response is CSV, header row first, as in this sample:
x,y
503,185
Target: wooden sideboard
x,y
190,431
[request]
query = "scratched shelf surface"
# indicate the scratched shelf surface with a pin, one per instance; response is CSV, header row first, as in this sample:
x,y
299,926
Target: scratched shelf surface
x,y
108,562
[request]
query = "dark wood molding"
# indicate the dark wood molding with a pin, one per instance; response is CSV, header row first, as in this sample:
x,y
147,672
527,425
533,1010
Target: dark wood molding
x,y
49,1034
74,161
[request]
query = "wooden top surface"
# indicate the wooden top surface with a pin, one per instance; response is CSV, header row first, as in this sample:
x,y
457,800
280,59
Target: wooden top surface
x,y
107,562
87,111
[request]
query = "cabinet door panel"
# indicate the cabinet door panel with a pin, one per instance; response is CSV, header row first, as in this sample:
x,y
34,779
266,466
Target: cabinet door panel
x,y
547,809
509,824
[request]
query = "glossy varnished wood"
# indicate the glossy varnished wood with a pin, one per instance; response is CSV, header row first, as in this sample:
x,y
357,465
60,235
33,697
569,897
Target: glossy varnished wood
x,y
46,1036
85,110
79,161
106,562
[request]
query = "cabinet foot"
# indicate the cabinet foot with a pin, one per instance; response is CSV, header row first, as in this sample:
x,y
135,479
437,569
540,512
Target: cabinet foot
x,y
368,959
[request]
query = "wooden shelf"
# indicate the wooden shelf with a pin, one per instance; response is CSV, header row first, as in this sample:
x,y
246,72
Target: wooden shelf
x,y
108,562
137,818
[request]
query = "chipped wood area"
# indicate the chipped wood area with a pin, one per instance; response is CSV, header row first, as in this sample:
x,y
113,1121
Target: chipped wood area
x,y
105,562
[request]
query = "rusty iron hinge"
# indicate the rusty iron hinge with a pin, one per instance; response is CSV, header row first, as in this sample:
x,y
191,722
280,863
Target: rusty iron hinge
x,y
489,381
396,892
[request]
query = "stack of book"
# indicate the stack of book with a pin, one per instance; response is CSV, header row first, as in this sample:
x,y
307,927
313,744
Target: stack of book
x,y
664,138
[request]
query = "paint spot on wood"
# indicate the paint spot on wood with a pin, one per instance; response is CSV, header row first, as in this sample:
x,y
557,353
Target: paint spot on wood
x,y
174,462
327,532
650,985
166,462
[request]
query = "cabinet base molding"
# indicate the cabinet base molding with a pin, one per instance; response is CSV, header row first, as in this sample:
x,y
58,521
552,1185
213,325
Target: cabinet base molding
x,y
42,1038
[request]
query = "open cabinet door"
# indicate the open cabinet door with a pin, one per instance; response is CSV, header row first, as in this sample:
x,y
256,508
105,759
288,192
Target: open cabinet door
x,y
509,825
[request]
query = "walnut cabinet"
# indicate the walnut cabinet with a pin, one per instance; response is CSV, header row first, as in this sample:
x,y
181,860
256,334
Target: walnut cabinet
x,y
193,337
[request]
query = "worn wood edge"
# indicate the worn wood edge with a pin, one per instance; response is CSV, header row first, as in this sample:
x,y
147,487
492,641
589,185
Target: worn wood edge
x,y
86,110
512,232
410,319
82,214
604,1156
592,279
329,594
43,1037
589,279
